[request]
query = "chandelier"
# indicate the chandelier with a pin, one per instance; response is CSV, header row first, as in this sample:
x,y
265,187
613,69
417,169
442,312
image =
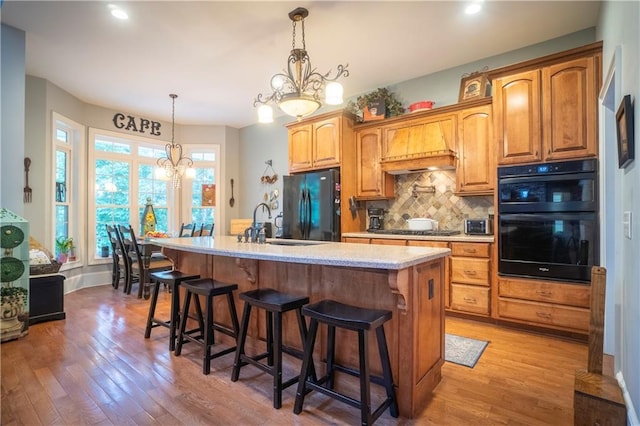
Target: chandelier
x,y
174,166
298,91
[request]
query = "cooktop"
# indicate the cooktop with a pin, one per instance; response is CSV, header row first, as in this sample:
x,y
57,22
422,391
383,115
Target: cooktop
x,y
410,232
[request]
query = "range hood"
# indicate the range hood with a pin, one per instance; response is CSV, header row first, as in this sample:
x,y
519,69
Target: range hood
x,y
422,162
420,145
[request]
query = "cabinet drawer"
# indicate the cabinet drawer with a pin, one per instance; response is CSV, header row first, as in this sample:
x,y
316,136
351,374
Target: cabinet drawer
x,y
544,313
468,298
470,271
560,293
425,243
470,249
388,242
355,240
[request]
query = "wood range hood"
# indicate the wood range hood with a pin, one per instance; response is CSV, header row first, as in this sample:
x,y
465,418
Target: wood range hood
x,y
418,143
422,162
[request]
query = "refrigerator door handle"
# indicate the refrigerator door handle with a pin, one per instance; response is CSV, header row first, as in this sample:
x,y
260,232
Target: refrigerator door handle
x,y
301,212
308,216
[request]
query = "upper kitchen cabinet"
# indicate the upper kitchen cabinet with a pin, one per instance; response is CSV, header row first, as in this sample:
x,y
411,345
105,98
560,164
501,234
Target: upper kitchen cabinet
x,y
371,182
517,117
547,110
316,143
476,162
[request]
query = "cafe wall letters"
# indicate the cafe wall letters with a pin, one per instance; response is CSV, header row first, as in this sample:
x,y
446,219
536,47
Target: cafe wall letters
x,y
133,124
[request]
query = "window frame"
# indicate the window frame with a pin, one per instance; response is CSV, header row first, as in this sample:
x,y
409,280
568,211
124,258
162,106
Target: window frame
x,y
76,188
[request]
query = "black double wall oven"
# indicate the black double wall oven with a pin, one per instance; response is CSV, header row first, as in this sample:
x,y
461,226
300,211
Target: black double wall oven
x,y
548,220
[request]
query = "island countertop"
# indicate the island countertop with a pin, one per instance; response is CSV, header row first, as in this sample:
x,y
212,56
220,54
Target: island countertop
x,y
313,252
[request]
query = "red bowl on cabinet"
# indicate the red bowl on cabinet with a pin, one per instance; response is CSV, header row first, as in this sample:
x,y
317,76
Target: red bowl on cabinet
x,y
421,106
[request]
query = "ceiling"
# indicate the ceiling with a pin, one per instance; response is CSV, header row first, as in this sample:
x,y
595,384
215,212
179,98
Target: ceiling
x,y
217,56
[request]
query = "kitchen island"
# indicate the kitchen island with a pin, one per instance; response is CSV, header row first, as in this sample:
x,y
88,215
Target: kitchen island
x,y
405,280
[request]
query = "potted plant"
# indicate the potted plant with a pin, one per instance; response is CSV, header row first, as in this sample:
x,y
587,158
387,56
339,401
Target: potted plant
x,y
63,244
393,107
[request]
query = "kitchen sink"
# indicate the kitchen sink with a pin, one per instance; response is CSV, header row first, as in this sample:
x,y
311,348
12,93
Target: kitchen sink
x,y
293,243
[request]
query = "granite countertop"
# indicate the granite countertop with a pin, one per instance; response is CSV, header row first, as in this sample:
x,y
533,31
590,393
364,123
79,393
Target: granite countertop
x,y
318,252
460,238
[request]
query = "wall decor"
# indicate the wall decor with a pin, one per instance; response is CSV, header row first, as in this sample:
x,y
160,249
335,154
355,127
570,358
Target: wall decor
x,y
474,86
140,125
624,127
208,195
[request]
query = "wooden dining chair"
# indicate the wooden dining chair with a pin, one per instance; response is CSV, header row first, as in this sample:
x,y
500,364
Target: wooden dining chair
x,y
118,268
136,262
186,230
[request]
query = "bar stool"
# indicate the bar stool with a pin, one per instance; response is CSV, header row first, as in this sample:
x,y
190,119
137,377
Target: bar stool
x,y
173,280
275,304
209,289
362,320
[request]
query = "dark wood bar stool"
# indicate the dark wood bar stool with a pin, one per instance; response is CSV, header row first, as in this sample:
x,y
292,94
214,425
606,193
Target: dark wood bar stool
x,y
172,279
209,289
275,304
335,314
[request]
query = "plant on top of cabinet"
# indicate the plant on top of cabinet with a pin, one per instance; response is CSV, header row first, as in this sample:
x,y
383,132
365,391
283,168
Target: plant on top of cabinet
x,y
392,105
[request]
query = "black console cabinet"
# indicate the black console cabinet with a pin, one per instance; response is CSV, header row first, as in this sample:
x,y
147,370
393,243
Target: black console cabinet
x,y
46,298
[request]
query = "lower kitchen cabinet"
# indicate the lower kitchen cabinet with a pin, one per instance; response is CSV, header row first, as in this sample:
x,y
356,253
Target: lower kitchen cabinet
x,y
437,244
471,278
559,305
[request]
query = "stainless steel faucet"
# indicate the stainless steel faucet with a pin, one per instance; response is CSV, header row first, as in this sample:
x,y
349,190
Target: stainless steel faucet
x,y
254,225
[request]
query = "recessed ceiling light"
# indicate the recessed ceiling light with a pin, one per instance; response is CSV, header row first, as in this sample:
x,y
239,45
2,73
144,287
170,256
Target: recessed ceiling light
x,y
118,13
474,7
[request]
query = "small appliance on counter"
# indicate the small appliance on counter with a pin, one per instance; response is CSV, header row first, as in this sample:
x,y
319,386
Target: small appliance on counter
x,y
376,216
478,226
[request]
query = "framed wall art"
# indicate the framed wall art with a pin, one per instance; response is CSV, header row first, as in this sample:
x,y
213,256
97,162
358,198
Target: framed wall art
x,y
474,86
624,130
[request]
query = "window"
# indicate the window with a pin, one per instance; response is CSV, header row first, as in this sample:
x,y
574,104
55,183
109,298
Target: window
x,y
201,194
67,188
123,179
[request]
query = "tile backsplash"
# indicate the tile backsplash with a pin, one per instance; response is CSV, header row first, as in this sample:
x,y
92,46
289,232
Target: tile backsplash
x,y
444,206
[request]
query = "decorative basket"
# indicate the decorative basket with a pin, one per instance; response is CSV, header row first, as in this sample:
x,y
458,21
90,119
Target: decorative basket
x,y
44,269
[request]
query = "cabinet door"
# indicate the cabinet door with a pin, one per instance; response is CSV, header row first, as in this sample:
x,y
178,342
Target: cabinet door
x,y
476,167
569,101
517,118
326,143
300,151
371,181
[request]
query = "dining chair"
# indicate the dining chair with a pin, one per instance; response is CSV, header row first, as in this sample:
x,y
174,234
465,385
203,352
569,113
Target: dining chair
x,y
186,230
137,267
118,269
204,231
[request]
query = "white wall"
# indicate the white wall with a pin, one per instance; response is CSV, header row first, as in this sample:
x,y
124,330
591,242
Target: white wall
x,y
13,106
619,29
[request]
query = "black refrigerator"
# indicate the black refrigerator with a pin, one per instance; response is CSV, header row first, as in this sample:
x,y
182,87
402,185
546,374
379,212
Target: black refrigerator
x,y
311,206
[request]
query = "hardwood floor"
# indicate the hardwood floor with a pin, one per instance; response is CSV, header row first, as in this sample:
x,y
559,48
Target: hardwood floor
x,y
95,367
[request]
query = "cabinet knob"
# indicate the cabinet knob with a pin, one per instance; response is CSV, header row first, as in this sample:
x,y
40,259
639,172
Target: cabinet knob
x,y
472,273
543,315
544,293
470,300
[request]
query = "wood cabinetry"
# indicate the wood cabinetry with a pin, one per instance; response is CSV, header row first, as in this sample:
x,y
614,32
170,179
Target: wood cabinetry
x,y
437,244
476,161
548,112
470,278
558,305
315,144
371,182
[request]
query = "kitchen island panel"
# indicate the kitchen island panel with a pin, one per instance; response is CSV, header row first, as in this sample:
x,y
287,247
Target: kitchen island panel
x,y
408,281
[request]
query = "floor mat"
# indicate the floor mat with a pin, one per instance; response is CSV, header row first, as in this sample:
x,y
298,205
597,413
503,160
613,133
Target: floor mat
x,y
463,350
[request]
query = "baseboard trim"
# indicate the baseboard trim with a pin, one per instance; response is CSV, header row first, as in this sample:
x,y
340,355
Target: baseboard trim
x,y
632,416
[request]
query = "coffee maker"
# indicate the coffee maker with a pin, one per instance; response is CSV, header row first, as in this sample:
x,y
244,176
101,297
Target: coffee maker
x,y
375,218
